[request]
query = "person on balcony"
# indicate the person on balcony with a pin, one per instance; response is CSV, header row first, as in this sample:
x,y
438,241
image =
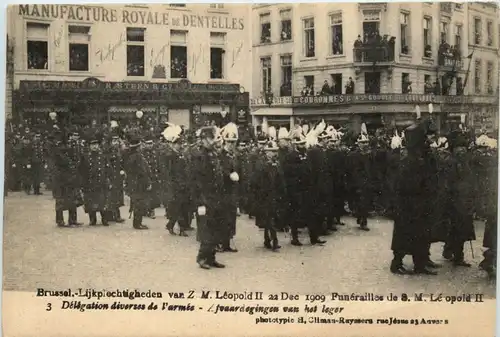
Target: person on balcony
x,y
358,44
428,87
326,90
349,87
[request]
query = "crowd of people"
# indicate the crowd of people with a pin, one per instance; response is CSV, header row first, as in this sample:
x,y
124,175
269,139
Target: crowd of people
x,y
432,185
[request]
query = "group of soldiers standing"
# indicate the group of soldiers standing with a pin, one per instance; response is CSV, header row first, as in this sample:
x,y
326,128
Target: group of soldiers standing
x,y
433,189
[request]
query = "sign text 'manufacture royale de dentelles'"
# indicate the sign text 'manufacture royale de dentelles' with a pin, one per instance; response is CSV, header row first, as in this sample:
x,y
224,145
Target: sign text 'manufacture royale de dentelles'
x,y
130,16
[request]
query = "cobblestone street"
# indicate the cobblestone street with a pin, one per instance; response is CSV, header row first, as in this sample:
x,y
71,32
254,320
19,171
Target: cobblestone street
x,y
38,254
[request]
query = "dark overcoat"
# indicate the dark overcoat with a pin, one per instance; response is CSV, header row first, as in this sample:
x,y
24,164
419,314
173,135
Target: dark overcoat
x,y
66,185
95,180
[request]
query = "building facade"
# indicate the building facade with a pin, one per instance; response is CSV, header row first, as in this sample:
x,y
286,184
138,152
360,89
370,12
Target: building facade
x,y
374,62
184,63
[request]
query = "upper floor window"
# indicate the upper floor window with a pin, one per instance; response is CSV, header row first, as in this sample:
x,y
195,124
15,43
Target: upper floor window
x,y
405,33
337,37
217,6
489,77
266,74
286,25
444,32
135,51
286,75
217,51
489,31
427,34
477,31
79,41
37,45
458,36
309,48
178,54
177,5
265,28
477,77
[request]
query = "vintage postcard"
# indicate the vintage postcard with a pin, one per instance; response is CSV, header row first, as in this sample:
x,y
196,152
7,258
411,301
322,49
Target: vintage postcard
x,y
251,169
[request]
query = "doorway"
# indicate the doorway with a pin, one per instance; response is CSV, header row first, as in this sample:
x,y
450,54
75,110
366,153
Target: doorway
x,y
372,83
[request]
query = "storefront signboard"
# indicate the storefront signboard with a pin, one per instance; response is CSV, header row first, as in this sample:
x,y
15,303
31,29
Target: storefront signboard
x,y
381,98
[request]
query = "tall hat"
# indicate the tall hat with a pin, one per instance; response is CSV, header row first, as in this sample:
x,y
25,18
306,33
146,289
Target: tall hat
x,y
207,132
230,132
262,139
283,133
272,133
134,141
172,133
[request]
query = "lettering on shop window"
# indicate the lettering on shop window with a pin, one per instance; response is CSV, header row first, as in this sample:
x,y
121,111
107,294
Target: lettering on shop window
x,y
129,16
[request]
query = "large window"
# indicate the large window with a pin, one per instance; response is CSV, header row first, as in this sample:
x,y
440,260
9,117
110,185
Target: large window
x,y
37,45
265,28
337,39
458,37
489,77
79,39
286,24
178,54
405,33
309,49
489,31
286,75
266,74
477,31
444,32
336,84
217,51
309,86
427,35
135,51
477,77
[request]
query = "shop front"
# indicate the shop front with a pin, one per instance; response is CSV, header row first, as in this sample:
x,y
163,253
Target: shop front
x,y
82,101
277,112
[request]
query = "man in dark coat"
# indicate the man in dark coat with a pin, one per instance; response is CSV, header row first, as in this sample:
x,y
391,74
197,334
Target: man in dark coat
x,y
66,186
462,193
411,231
138,182
151,155
95,181
207,178
268,187
177,184
116,175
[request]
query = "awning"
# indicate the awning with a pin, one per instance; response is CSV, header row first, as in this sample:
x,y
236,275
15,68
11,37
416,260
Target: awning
x,y
131,109
273,112
46,109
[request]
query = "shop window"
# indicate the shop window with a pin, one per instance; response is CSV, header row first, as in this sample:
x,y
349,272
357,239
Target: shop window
x,y
178,54
405,33
135,51
266,74
309,48
79,41
37,45
477,77
217,51
336,34
286,76
336,84
427,34
286,25
477,31
265,28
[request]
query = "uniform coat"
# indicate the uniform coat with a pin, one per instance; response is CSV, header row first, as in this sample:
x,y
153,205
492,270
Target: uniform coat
x,y
94,170
138,180
66,186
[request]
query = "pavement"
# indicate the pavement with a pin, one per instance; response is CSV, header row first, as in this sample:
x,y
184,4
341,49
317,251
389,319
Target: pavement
x,y
37,254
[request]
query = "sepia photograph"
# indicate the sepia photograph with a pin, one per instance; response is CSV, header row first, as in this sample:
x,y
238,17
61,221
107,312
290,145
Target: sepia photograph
x,y
309,169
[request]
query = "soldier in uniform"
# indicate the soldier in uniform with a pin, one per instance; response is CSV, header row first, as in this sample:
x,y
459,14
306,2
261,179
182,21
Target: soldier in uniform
x,y
336,161
151,156
268,187
177,179
207,183
66,186
360,181
231,186
116,176
138,182
95,181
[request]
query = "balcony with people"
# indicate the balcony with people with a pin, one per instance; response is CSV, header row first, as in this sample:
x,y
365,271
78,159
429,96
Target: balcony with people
x,y
374,48
449,56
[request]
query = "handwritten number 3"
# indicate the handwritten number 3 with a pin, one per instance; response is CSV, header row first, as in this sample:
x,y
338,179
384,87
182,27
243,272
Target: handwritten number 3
x,y
49,307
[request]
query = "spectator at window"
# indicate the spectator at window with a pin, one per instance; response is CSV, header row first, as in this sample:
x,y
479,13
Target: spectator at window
x,y
349,87
428,87
326,90
428,51
337,46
